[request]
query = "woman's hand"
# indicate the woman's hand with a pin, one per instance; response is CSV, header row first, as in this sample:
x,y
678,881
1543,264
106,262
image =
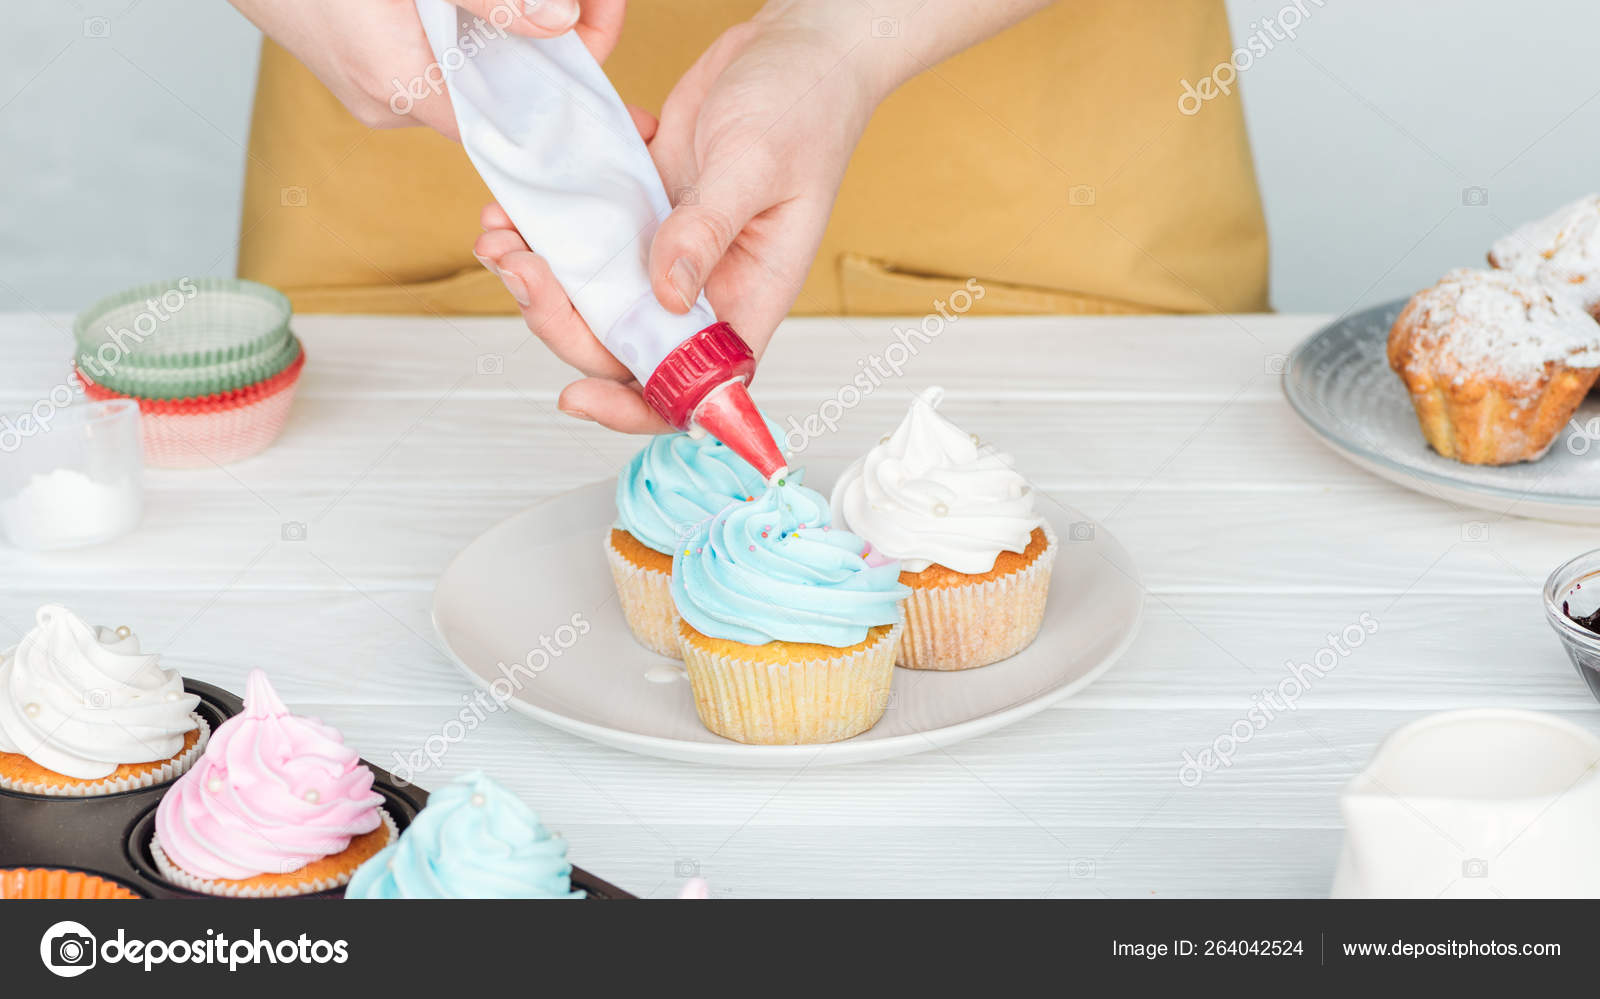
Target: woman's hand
x,y
751,144
374,56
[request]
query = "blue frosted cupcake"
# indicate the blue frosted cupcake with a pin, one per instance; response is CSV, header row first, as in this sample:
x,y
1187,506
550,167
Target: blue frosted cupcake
x,y
789,625
664,493
475,839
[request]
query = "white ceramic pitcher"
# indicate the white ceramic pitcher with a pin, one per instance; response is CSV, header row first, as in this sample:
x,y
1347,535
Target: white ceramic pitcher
x,y
1475,804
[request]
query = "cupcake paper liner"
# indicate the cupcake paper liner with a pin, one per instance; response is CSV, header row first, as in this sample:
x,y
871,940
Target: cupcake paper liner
x,y
38,884
168,771
228,889
214,429
964,627
646,596
189,383
802,702
227,320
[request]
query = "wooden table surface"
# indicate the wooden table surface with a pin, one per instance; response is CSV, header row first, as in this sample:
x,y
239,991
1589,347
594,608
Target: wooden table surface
x,y
411,436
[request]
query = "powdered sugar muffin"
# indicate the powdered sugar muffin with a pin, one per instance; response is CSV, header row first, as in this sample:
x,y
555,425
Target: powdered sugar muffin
x,y
1562,249
1495,362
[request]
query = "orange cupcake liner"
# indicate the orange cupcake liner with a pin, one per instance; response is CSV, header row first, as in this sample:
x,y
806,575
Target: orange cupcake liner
x,y
39,884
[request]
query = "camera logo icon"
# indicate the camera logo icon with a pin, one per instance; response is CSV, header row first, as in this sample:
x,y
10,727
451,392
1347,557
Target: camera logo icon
x,y
68,949
686,868
885,27
96,27
292,197
491,364
1474,867
293,530
1474,197
1080,195
1081,530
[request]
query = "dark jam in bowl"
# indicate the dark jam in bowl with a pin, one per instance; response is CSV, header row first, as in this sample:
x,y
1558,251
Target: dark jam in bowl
x,y
1589,623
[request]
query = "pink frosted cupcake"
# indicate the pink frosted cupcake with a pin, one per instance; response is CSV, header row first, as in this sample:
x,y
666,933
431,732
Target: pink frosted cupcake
x,y
278,805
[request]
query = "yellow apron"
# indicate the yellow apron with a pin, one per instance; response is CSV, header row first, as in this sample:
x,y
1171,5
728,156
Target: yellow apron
x,y
1052,163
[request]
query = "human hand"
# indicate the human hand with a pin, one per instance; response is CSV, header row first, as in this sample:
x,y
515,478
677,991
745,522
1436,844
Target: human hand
x,y
752,144
368,52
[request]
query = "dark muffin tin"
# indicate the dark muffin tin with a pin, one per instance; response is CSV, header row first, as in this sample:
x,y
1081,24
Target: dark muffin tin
x,y
109,835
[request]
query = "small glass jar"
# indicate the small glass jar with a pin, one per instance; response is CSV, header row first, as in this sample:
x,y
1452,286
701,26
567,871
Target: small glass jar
x,y
73,476
1575,585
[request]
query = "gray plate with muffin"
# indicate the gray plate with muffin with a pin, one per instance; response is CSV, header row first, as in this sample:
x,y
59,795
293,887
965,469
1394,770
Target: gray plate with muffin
x,y
1340,383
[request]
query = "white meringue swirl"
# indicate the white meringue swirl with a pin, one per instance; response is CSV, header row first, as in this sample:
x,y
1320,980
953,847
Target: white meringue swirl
x,y
81,701
931,494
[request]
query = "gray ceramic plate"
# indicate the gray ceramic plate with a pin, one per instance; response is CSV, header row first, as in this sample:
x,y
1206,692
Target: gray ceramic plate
x,y
1339,381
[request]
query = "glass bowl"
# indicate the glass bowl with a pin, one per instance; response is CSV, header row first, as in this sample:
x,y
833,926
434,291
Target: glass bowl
x,y
1576,583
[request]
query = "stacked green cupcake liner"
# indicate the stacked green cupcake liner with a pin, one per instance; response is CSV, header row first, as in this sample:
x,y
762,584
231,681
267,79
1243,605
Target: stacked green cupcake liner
x,y
186,338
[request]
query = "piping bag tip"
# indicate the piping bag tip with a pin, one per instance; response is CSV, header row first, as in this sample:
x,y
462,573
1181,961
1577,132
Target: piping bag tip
x,y
730,415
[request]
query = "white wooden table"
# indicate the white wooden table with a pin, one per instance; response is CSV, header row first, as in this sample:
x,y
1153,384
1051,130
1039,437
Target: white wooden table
x,y
411,436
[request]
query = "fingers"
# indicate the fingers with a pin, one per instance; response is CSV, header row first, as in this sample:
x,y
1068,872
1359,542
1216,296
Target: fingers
x,y
495,217
533,18
612,404
601,26
644,121
693,239
544,304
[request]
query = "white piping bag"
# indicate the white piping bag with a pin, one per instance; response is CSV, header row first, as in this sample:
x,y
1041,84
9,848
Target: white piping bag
x,y
552,139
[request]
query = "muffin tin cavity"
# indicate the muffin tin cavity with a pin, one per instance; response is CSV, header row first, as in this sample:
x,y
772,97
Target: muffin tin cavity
x,y
109,836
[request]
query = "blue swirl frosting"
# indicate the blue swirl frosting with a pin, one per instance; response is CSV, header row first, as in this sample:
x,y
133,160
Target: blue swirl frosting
x,y
475,839
676,481
772,569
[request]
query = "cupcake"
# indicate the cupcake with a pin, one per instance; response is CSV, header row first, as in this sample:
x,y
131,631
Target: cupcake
x,y
84,712
475,839
277,805
38,884
1561,250
789,626
974,551
1496,364
674,483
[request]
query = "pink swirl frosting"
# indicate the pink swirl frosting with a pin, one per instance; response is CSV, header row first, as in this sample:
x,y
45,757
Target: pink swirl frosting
x,y
272,793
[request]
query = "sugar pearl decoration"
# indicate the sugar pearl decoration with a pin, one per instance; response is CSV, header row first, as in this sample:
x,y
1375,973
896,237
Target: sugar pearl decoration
x,y
479,800
312,796
31,710
940,510
123,631
214,785
172,695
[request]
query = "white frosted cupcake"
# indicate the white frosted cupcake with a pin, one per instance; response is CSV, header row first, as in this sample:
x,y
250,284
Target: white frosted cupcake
x,y
84,712
962,523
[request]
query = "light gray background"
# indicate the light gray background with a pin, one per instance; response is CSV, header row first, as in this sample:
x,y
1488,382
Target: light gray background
x,y
122,130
